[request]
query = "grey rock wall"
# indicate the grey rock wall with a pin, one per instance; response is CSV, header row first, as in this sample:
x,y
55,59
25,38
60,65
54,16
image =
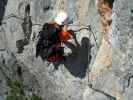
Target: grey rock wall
x,y
96,70
69,80
117,80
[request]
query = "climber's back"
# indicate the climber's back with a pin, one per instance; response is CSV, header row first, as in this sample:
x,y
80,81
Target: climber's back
x,y
50,38
47,37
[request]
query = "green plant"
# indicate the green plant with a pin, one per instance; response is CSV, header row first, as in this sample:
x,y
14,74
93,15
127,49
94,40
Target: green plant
x,y
17,92
34,97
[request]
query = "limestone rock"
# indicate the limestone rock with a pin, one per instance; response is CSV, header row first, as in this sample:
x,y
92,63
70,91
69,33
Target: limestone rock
x,y
98,62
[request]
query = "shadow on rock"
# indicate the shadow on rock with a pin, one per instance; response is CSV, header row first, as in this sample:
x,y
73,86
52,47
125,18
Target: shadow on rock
x,y
78,61
20,44
27,30
3,4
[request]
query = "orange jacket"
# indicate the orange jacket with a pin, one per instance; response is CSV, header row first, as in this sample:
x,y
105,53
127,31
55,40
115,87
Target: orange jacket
x,y
64,36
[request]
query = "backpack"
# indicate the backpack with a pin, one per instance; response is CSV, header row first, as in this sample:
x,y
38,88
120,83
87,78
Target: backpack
x,y
47,37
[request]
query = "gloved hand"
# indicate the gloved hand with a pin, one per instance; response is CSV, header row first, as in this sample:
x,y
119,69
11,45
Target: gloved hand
x,y
72,33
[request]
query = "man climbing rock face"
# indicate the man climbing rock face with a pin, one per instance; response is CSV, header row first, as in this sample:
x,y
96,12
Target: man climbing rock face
x,y
52,35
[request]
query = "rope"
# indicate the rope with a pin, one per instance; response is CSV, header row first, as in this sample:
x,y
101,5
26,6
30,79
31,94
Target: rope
x,y
12,15
66,6
88,27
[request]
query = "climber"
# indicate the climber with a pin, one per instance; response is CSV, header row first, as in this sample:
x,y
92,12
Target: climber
x,y
52,35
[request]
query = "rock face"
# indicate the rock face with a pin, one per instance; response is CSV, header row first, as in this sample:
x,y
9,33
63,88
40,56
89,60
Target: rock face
x,y
99,64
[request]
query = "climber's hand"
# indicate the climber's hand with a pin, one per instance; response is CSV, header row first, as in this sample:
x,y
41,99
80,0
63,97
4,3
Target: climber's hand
x,y
72,33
